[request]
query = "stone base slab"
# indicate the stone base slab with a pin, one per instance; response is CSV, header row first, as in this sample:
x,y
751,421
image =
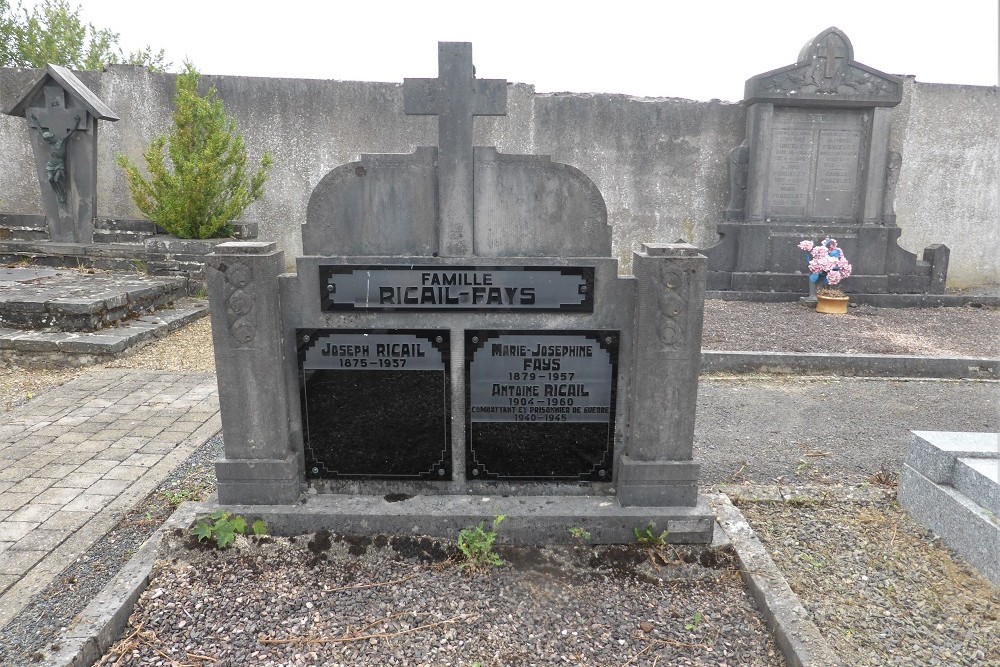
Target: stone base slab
x,y
75,301
530,519
950,484
258,481
657,483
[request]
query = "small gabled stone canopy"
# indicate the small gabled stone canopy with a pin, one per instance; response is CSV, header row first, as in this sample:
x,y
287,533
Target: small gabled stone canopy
x,y
826,75
83,96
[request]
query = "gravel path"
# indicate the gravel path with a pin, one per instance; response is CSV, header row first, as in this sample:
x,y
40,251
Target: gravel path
x,y
309,602
774,429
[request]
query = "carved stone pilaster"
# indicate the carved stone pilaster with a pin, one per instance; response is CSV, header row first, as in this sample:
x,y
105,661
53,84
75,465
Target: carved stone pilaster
x,y
259,466
656,469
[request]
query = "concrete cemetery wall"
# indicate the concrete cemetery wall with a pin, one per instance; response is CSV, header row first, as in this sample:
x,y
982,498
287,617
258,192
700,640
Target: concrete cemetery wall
x,y
661,163
949,182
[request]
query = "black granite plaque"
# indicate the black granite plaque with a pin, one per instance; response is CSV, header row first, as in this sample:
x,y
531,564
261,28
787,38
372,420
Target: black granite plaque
x,y
494,288
540,405
815,164
375,403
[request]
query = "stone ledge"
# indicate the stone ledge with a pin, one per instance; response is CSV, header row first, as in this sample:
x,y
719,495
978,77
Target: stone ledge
x,y
858,365
530,519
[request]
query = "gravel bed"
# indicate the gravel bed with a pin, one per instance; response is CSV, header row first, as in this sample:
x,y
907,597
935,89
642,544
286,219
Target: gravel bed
x,y
880,588
405,601
52,610
793,327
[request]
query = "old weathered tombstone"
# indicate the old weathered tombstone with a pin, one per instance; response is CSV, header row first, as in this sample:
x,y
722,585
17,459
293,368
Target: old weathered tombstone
x,y
816,162
62,114
456,342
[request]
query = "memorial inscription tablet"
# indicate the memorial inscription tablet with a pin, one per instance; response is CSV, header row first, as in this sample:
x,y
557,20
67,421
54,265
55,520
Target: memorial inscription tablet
x,y
815,164
375,403
388,287
540,404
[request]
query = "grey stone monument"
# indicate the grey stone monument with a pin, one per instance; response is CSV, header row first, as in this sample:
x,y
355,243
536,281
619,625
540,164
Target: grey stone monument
x,y
816,162
456,342
62,116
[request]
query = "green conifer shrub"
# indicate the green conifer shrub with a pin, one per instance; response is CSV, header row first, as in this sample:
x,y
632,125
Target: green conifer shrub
x,y
201,184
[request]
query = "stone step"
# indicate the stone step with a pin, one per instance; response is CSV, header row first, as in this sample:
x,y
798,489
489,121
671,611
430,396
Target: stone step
x,y
119,257
15,227
979,480
74,348
122,225
54,301
120,236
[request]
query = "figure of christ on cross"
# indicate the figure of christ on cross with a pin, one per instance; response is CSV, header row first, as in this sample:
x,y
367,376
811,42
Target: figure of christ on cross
x,y
52,121
455,97
55,168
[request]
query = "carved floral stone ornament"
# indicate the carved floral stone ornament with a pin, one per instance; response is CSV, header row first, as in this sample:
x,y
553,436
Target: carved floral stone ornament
x,y
672,305
239,303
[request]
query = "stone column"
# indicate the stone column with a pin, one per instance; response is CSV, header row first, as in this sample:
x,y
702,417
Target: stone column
x,y
657,468
258,466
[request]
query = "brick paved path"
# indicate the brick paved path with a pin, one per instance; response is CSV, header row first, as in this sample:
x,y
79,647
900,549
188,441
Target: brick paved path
x,y
76,458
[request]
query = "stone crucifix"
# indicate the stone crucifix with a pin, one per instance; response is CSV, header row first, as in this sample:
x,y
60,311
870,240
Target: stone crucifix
x,y
455,97
62,115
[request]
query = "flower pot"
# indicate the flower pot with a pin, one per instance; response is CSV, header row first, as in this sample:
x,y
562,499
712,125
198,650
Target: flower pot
x,y
831,305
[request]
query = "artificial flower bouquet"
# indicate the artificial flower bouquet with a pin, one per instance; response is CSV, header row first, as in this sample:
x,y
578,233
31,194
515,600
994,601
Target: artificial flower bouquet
x,y
827,265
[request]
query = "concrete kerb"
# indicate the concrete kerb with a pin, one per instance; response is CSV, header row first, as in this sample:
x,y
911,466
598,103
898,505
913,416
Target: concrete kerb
x,y
798,638
855,365
101,623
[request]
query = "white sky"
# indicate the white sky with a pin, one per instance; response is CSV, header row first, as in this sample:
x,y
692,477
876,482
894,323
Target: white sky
x,y
697,49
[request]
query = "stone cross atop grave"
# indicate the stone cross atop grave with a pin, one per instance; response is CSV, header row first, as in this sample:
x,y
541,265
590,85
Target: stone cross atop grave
x,y
62,114
455,97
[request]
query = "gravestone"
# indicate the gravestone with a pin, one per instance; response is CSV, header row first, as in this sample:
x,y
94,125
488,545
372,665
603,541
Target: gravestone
x,y
456,331
62,114
816,162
